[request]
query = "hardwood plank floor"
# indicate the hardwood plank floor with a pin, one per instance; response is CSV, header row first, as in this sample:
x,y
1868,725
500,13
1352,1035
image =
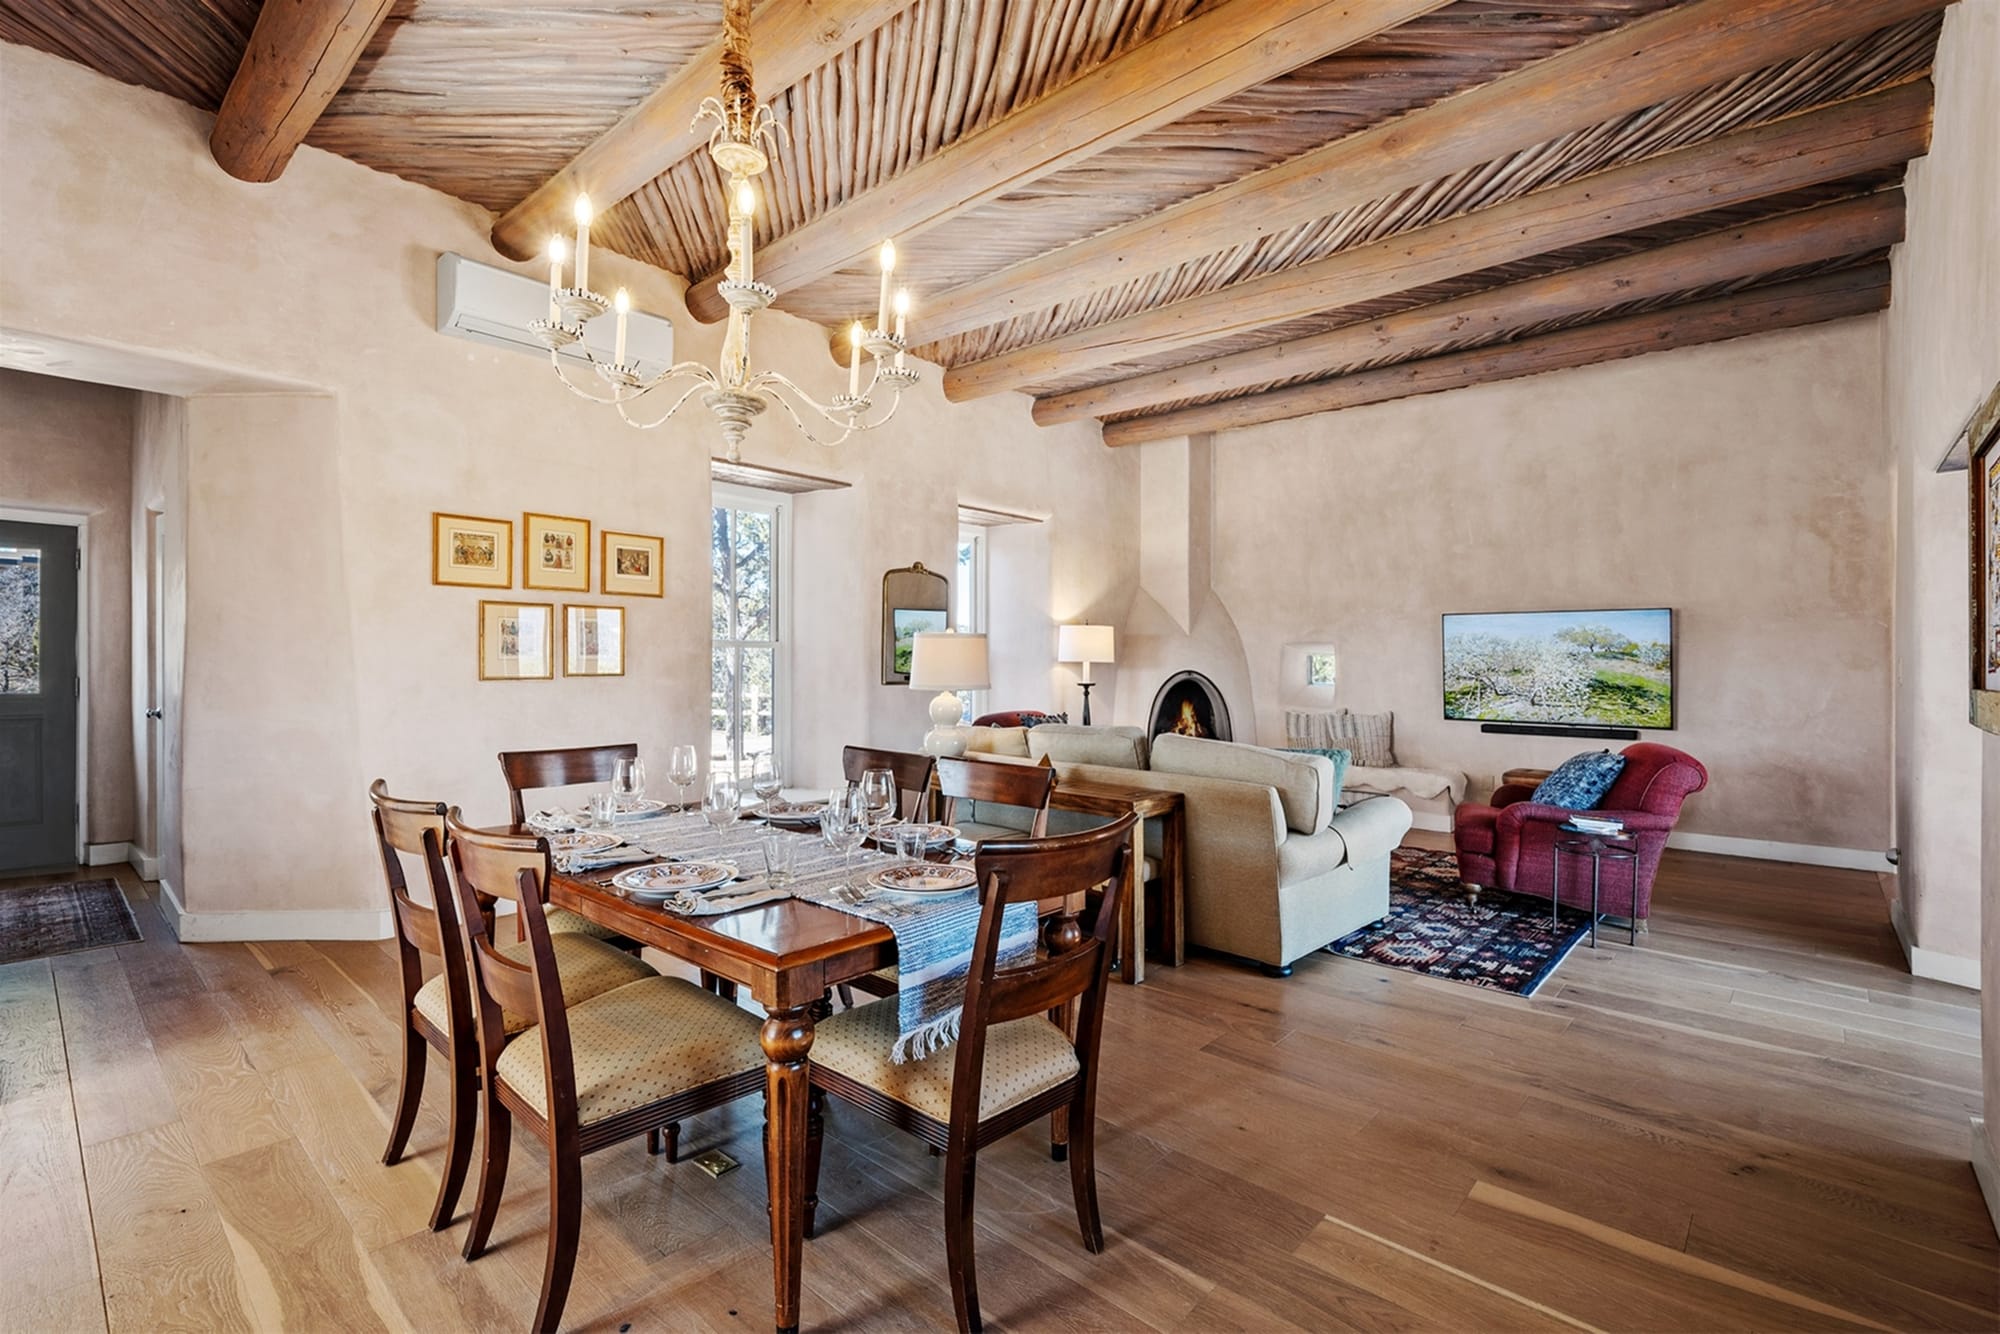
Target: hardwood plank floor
x,y
1756,1119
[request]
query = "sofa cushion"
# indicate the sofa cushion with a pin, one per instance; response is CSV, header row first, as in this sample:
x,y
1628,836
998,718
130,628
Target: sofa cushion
x,y
1340,759
1112,747
1304,783
1580,781
997,741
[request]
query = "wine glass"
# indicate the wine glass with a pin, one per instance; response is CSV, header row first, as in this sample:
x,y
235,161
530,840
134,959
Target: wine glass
x,y
722,802
852,827
878,796
765,779
635,780
623,782
682,769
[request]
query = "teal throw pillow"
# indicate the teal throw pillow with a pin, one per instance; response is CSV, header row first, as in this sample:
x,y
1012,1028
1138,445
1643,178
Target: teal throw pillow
x,y
1341,759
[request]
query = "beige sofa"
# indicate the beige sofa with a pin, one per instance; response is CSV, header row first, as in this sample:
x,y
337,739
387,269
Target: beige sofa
x,y
1273,871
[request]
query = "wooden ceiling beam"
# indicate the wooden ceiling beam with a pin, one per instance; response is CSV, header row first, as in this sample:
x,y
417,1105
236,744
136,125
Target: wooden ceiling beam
x,y
1219,53
791,39
1833,296
1811,236
1859,135
1643,63
299,54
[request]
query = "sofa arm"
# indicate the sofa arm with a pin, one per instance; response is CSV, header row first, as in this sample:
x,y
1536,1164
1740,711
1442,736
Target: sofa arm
x,y
1372,828
1514,818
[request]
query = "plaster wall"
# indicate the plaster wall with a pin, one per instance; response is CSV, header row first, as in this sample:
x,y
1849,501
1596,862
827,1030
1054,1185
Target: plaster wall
x,y
159,541
1742,484
67,446
318,654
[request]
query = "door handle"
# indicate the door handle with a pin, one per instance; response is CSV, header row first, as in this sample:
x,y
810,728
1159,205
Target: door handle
x,y
155,713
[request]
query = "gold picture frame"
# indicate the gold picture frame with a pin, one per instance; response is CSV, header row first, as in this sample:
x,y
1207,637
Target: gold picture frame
x,y
593,640
472,552
516,640
629,565
555,553
1982,436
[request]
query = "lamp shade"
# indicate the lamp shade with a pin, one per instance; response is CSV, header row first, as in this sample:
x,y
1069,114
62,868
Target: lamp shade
x,y
1084,643
941,660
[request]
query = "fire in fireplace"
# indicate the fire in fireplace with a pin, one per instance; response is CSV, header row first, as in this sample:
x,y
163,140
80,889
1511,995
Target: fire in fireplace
x,y
1189,704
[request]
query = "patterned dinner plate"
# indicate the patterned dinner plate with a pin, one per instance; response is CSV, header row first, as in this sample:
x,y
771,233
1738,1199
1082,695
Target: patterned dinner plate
x,y
929,880
643,809
935,835
582,840
669,878
792,812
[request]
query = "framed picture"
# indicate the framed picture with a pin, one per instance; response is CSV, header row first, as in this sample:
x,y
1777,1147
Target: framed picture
x,y
556,553
593,641
1319,669
517,641
1983,457
630,565
475,552
909,622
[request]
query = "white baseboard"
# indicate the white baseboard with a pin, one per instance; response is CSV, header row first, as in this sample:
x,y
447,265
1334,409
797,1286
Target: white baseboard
x,y
272,924
1436,821
145,863
1987,1170
1936,965
1806,854
106,854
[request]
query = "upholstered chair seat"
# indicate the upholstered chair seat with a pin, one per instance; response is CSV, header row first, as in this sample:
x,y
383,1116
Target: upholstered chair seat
x,y
641,1044
588,967
563,922
1023,1057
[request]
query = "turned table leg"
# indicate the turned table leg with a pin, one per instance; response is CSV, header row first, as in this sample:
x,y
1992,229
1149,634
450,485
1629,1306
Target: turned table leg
x,y
786,1037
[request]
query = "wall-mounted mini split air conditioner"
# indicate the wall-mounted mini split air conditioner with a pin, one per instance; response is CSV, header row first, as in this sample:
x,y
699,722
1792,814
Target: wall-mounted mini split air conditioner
x,y
493,306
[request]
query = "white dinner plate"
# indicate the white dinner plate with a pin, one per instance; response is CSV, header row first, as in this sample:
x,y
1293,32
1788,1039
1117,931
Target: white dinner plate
x,y
928,880
799,814
643,809
935,835
665,879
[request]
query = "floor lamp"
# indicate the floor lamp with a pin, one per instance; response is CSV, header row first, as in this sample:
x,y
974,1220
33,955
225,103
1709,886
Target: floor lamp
x,y
1085,644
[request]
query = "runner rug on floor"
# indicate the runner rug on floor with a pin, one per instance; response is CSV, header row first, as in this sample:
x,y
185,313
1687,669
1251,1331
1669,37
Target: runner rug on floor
x,y
39,920
1503,942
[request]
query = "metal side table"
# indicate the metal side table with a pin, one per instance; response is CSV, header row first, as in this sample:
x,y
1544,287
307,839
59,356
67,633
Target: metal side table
x,y
1600,848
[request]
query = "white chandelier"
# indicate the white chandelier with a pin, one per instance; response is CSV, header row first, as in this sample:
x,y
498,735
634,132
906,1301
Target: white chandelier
x,y
732,391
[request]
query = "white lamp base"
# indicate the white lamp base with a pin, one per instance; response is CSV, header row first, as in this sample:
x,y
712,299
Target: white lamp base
x,y
946,737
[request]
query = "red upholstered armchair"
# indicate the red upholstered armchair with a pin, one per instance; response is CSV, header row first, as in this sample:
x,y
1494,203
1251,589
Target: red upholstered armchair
x,y
1511,843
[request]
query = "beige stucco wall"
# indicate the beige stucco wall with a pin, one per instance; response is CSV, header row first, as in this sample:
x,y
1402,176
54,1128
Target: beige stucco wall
x,y
1943,356
67,447
1742,484
317,652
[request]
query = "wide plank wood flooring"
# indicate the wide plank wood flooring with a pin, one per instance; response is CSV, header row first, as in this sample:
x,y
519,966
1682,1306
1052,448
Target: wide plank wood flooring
x,y
1754,1120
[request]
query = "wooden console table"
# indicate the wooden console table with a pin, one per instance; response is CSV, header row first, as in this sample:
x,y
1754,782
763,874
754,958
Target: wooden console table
x,y
1528,778
1170,808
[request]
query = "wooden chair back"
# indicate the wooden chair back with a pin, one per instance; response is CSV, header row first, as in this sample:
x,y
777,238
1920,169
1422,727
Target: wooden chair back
x,y
400,826
1027,871
484,863
913,774
1025,785
530,770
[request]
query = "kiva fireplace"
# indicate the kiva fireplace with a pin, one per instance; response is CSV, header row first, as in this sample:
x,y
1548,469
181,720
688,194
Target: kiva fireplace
x,y
1190,704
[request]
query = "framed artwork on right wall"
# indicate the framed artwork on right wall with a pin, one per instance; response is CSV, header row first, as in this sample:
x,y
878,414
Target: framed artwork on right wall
x,y
1983,457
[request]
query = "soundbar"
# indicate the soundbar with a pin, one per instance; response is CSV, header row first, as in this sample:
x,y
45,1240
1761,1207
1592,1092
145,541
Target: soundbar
x,y
1562,729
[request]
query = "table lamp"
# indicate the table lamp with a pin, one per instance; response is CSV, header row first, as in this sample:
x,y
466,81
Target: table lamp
x,y
947,663
1085,644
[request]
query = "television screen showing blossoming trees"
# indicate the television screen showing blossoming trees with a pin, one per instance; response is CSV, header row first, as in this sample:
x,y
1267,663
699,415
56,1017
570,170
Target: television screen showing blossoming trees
x,y
1610,668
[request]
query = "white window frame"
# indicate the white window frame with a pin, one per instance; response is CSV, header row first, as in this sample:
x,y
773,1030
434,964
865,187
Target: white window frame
x,y
982,558
779,507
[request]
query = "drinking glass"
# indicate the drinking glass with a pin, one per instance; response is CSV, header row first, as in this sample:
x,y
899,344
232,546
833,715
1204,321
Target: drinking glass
x,y
878,796
722,802
912,842
779,851
765,780
602,807
682,768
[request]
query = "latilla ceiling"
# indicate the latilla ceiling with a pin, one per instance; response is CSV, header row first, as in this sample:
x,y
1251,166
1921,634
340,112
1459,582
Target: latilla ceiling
x,y
487,100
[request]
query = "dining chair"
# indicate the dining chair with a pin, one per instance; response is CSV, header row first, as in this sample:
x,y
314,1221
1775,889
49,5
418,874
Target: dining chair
x,y
532,770
629,1061
1027,786
1013,1063
912,771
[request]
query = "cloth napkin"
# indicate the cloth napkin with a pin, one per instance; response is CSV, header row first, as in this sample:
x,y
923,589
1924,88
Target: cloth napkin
x,y
603,857
714,904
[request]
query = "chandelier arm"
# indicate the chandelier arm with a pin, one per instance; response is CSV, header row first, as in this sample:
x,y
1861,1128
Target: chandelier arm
x,y
556,360
661,420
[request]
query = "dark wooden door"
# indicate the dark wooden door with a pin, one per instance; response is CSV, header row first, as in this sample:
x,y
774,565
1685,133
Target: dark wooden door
x,y
38,696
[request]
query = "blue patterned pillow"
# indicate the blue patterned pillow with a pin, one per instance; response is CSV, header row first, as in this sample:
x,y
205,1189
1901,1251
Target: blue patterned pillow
x,y
1341,759
1581,782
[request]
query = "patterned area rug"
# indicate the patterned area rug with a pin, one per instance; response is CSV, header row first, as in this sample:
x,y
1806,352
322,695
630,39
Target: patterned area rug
x,y
1505,942
39,920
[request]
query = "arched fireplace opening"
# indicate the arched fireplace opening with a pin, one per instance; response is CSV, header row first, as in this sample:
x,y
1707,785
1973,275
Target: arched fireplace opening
x,y
1190,704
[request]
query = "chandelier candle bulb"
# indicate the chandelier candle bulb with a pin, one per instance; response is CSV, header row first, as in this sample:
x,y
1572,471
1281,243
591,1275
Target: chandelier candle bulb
x,y
623,304
902,315
555,279
888,268
583,243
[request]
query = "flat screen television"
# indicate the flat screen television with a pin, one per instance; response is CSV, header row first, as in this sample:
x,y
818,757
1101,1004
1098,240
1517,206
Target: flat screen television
x,y
1575,668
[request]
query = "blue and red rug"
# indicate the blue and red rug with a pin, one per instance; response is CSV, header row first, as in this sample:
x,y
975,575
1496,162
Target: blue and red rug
x,y
1504,942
